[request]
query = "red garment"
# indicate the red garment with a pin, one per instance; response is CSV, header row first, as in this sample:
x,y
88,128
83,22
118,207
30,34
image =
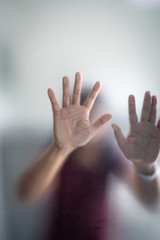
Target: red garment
x,y
81,212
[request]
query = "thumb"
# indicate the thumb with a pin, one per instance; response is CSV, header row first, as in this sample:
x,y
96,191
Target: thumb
x,y
121,140
53,100
101,122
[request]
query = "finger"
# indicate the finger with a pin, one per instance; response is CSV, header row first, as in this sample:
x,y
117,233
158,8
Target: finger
x,y
77,89
119,137
153,112
53,100
146,107
158,124
132,110
92,96
66,96
101,121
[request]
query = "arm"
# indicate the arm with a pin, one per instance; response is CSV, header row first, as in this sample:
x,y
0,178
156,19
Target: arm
x,y
142,146
72,129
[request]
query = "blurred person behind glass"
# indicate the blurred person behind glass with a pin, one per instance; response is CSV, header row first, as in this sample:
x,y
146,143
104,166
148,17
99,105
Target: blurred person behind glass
x,y
77,165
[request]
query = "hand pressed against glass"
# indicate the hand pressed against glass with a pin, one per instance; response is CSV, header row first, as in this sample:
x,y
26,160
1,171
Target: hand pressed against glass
x,y
72,127
142,144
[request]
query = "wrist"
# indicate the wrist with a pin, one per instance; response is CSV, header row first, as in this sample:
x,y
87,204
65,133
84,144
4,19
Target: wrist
x,y
65,151
146,168
148,172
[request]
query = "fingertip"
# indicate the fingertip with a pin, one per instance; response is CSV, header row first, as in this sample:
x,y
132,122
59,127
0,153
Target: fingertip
x,y
148,93
97,85
131,98
107,117
154,99
78,77
65,80
79,74
110,115
115,127
154,96
49,91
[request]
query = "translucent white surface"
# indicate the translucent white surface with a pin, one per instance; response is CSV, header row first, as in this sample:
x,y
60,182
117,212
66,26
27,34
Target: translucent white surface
x,y
113,41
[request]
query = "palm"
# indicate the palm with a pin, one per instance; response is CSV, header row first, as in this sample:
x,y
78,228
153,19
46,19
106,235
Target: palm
x,y
72,127
143,142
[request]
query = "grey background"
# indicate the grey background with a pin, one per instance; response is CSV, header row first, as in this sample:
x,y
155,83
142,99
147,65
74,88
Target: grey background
x,y
114,41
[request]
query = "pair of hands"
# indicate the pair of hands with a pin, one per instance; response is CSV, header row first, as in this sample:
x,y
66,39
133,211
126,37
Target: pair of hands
x,y
72,127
